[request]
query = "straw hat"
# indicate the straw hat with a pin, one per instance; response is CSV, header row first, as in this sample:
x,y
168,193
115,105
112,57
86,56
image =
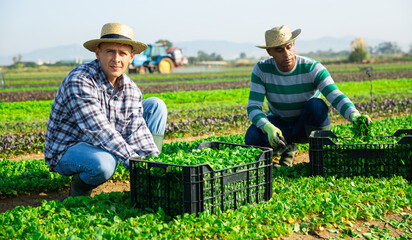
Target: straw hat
x,y
279,36
116,33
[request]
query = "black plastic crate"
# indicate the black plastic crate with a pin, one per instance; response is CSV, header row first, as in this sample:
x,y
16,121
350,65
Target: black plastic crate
x,y
328,158
179,189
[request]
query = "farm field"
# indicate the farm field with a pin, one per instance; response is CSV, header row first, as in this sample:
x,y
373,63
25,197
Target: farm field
x,y
204,107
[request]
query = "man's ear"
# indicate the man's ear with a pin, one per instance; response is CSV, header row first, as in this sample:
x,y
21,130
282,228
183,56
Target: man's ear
x,y
97,52
131,57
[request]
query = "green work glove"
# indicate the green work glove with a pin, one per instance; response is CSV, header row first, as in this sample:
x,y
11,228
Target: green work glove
x,y
355,116
275,136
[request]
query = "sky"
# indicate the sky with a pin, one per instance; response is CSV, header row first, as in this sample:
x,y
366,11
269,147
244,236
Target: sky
x,y
28,25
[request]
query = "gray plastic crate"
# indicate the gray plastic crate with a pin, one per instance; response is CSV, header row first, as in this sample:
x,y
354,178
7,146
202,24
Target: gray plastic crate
x,y
328,158
179,189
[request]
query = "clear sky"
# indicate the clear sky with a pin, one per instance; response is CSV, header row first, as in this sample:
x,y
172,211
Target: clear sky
x,y
28,25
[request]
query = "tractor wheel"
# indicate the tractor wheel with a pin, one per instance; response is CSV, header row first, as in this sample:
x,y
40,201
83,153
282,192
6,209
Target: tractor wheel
x,y
132,70
142,70
165,65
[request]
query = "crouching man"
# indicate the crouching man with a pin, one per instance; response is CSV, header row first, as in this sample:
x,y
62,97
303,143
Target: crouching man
x,y
98,117
292,85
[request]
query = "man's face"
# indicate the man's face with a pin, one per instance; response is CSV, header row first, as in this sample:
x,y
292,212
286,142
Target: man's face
x,y
114,59
284,56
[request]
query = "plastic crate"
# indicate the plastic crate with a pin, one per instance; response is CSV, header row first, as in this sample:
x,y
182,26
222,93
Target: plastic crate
x,y
179,189
328,158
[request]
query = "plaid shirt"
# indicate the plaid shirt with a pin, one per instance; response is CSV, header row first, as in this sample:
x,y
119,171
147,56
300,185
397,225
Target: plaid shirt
x,y
87,108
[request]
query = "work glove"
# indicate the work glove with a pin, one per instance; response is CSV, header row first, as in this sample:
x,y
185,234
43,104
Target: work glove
x,y
275,136
355,116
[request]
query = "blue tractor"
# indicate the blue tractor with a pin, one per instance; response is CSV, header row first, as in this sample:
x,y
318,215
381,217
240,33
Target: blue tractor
x,y
157,58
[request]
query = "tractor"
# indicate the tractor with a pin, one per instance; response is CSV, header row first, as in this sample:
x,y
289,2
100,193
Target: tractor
x,y
157,58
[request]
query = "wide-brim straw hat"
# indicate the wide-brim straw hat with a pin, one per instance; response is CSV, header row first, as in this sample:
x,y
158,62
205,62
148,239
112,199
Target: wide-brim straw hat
x,y
116,33
279,36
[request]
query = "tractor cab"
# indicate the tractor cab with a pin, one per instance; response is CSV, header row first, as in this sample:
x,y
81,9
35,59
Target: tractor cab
x,y
155,51
156,58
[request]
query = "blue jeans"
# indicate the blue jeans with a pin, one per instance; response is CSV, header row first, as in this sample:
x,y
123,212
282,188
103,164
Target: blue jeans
x,y
95,165
314,113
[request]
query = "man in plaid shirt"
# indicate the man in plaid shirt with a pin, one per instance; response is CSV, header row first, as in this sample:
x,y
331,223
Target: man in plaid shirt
x,y
98,117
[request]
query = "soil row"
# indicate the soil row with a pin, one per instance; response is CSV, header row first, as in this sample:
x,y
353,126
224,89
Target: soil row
x,y
33,95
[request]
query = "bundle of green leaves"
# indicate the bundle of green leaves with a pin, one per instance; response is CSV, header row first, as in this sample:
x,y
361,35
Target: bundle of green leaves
x,y
361,128
227,156
377,132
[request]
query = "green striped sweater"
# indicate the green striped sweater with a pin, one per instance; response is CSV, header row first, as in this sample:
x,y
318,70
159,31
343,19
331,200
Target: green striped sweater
x,y
287,92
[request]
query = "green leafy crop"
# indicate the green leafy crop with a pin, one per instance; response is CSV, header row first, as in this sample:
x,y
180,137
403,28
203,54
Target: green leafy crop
x,y
217,159
361,128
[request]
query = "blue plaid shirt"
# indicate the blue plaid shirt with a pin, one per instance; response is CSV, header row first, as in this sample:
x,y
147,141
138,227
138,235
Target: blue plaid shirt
x,y
87,108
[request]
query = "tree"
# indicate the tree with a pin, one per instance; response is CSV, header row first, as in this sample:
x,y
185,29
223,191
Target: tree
x,y
242,55
166,42
203,56
359,50
388,48
17,59
215,57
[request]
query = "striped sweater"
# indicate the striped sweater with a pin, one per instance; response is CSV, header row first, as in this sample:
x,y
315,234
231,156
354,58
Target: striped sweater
x,y
287,92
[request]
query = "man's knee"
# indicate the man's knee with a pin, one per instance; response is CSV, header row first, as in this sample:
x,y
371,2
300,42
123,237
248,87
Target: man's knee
x,y
316,112
154,104
255,136
249,137
105,167
155,114
316,105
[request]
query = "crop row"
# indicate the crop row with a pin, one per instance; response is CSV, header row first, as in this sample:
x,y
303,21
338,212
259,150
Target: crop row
x,y
300,203
212,104
28,92
20,176
55,72
357,91
30,95
303,204
20,138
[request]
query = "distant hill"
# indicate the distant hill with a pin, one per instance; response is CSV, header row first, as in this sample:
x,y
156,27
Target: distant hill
x,y
231,50
228,50
54,54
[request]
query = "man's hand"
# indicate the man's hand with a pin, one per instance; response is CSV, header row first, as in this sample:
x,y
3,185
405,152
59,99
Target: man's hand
x,y
275,136
354,117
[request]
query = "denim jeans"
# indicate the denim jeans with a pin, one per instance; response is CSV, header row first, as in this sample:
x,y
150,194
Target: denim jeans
x,y
314,113
95,165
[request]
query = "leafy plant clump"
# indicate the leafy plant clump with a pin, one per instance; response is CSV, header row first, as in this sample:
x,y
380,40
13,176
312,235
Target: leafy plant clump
x,y
378,132
217,158
371,150
301,205
361,128
22,177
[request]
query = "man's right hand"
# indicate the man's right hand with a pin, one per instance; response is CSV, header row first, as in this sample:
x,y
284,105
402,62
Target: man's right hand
x,y
275,136
355,116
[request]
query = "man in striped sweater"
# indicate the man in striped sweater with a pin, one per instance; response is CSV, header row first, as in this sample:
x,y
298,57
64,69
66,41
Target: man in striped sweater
x,y
292,85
